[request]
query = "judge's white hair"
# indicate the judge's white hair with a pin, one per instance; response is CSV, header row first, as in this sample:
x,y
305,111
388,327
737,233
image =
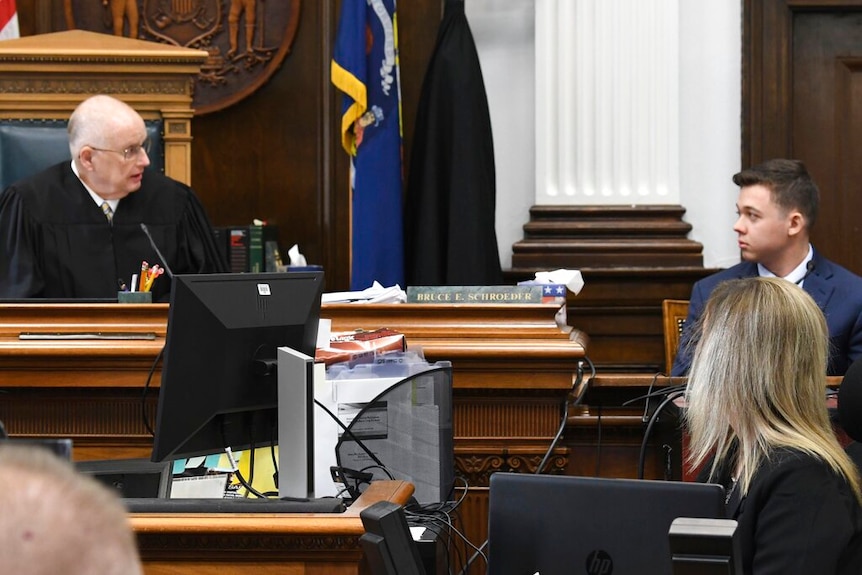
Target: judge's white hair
x,y
95,120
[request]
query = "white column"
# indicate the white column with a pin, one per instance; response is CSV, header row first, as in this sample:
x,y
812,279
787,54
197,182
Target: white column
x,y
519,58
607,105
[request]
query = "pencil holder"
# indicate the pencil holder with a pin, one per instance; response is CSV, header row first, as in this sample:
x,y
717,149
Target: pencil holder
x,y
135,297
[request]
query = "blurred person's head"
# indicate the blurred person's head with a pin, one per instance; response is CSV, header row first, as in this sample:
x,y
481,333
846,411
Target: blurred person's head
x,y
56,521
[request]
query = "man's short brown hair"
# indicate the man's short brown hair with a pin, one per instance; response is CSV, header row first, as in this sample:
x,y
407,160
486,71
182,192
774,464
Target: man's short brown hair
x,y
790,183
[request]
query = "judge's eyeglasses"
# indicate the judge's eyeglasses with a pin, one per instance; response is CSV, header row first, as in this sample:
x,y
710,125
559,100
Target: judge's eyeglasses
x,y
129,153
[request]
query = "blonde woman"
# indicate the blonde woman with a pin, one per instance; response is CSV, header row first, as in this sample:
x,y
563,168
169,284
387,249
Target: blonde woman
x,y
759,426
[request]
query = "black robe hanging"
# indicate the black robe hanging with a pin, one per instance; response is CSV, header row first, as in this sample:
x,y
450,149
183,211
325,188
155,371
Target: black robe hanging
x,y
449,231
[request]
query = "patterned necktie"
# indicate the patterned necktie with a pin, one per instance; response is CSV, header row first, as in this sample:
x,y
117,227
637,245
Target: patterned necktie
x,y
109,213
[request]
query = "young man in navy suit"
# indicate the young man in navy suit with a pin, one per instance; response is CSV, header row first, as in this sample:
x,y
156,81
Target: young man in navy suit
x,y
777,207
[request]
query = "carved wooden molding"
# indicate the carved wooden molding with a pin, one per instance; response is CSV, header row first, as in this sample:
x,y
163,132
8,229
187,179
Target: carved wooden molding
x,y
606,236
284,546
132,85
476,467
61,413
507,415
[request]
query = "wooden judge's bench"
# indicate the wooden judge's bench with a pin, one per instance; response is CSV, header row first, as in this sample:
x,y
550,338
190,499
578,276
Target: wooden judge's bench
x,y
512,369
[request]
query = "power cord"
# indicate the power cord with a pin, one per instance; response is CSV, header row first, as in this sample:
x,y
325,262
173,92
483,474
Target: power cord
x,y
442,518
671,396
146,389
579,387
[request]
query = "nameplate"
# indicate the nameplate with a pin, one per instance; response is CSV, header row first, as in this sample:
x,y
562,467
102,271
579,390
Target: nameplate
x,y
474,294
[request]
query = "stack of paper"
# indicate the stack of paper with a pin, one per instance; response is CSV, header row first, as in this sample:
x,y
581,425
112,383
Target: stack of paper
x,y
375,294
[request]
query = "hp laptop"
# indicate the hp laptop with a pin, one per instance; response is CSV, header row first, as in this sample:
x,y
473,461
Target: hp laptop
x,y
552,525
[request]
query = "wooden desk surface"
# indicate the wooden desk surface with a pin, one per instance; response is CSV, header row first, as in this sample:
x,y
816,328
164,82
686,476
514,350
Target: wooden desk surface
x,y
220,543
482,341
644,380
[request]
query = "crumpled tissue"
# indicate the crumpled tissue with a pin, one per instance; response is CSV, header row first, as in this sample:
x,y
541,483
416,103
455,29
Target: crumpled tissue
x,y
574,282
296,258
572,279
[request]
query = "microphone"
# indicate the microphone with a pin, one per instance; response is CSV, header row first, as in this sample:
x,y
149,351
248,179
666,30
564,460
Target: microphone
x,y
158,252
850,401
809,267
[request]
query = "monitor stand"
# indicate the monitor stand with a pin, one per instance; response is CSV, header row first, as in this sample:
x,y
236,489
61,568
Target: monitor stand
x,y
295,424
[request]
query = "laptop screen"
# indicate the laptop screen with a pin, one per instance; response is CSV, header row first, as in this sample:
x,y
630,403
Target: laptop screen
x,y
551,525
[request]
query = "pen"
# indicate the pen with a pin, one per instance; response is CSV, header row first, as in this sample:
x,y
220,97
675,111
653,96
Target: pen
x,y
144,267
122,285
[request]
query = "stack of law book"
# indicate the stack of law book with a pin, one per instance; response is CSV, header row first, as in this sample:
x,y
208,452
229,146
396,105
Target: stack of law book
x,y
244,247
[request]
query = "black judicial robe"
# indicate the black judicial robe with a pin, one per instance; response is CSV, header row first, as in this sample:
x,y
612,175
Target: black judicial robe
x,y
55,242
449,233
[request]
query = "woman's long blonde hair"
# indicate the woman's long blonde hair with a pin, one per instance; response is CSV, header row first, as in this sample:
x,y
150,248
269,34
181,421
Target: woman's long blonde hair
x,y
758,379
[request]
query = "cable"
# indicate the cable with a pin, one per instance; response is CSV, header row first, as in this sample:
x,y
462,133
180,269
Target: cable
x,y
599,440
383,469
438,517
239,476
479,553
660,393
272,443
649,391
344,474
581,386
642,456
347,430
251,450
449,524
146,388
235,468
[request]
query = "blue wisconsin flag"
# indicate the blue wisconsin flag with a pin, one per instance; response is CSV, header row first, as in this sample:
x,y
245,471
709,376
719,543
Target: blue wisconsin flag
x,y
365,68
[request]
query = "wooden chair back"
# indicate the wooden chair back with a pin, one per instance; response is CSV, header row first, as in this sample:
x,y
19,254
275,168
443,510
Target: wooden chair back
x,y
674,312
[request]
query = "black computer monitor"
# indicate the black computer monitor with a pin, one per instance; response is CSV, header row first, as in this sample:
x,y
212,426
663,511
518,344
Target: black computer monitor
x,y
705,546
387,541
219,378
130,477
